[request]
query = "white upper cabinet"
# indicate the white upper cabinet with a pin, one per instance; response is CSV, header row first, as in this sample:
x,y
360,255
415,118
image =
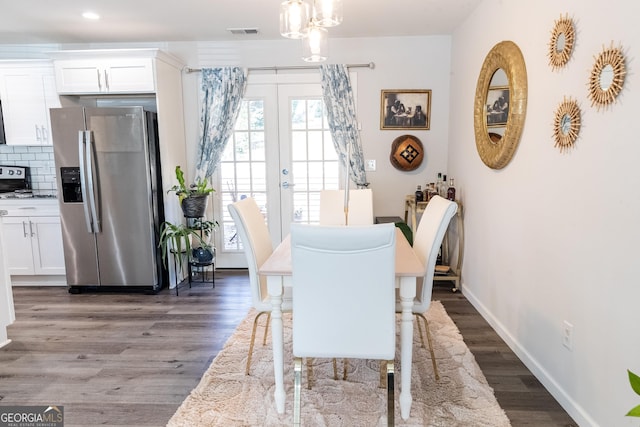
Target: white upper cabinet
x,y
27,91
105,75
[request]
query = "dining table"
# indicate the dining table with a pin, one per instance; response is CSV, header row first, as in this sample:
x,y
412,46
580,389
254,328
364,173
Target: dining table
x,y
277,269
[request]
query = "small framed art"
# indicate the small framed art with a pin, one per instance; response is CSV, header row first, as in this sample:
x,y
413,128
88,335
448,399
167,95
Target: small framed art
x,y
405,109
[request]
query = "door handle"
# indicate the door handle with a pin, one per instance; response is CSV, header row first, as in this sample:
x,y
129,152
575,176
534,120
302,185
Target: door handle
x,y
31,229
99,80
24,229
286,184
83,181
91,180
106,81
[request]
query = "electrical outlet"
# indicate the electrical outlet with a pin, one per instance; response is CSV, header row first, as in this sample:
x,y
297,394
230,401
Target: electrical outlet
x,y
567,335
370,165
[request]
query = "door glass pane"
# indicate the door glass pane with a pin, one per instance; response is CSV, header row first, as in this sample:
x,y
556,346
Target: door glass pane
x,y
314,160
243,169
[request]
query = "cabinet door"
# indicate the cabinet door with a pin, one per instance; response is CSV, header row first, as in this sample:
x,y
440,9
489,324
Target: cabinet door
x,y
130,75
89,76
78,77
25,94
17,245
48,253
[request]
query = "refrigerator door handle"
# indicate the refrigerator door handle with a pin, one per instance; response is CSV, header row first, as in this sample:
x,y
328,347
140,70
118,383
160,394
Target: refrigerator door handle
x,y
92,193
83,181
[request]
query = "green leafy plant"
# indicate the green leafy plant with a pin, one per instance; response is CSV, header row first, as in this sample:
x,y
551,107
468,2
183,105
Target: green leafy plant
x,y
200,187
179,239
634,380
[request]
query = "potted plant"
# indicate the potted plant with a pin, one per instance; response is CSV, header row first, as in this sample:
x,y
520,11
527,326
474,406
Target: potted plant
x,y
193,199
182,239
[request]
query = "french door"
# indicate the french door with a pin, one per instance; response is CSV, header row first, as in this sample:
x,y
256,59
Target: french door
x,y
282,155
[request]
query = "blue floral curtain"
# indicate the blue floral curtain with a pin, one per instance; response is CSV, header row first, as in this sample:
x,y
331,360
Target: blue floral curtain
x,y
223,89
341,113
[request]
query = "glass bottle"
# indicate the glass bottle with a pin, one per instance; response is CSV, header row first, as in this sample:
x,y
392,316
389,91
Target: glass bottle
x,y
439,184
419,194
451,191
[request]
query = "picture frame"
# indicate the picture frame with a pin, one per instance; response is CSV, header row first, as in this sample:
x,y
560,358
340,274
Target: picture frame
x,y
405,109
497,108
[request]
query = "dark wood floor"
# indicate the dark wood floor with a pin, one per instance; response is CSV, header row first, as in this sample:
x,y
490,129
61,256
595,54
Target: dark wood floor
x,y
126,359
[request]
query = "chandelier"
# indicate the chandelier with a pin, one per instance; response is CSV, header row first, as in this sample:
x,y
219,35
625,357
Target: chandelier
x,y
308,20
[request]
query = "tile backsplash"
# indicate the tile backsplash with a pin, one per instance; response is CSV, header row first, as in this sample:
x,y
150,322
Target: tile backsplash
x,y
38,158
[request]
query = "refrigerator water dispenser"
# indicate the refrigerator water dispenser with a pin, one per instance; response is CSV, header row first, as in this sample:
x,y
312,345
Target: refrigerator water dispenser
x,y
71,190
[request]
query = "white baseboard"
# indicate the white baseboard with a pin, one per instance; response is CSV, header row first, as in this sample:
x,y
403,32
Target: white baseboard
x,y
38,281
5,342
573,409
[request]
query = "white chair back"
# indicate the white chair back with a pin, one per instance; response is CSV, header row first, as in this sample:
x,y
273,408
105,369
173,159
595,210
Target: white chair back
x,y
255,237
426,244
360,207
343,291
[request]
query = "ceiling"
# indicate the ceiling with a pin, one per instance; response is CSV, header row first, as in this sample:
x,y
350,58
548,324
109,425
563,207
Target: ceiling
x,y
40,21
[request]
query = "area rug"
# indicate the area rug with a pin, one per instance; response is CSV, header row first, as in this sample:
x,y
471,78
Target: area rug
x,y
227,397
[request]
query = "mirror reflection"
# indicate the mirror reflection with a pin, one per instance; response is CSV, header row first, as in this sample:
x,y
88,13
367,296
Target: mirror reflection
x,y
565,124
497,105
606,77
560,42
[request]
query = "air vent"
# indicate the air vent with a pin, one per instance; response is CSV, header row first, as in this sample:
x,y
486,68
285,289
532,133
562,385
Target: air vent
x,y
242,31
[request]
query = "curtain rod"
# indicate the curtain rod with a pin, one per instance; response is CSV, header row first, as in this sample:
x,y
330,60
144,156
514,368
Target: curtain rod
x,y
370,65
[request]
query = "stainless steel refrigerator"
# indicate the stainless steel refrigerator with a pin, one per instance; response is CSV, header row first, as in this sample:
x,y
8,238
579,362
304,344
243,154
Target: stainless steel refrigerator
x,y
109,189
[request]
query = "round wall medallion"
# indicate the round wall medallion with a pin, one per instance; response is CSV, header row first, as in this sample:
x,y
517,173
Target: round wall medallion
x,y
495,150
562,39
607,77
566,124
407,153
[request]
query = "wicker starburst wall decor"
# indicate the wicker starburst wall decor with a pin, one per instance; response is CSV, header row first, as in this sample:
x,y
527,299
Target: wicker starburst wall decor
x,y
566,124
563,37
602,93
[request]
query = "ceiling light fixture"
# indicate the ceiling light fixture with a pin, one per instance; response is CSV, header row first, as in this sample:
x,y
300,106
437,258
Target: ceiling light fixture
x,y
314,46
294,19
308,21
327,13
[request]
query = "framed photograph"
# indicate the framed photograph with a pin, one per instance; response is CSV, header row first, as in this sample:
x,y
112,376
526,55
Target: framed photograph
x,y
497,106
405,109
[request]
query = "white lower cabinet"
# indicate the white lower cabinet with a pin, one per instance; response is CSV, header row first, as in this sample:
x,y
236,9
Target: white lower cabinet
x,y
33,245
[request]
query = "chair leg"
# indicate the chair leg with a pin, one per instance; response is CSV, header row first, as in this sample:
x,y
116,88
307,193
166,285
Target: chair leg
x,y
297,374
309,373
266,329
390,394
335,369
344,369
253,339
383,376
419,329
433,356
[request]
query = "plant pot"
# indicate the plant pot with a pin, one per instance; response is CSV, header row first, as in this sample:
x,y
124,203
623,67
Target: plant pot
x,y
194,205
202,255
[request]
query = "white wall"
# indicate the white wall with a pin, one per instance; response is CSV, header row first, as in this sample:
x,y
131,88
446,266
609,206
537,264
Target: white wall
x,y
400,63
553,236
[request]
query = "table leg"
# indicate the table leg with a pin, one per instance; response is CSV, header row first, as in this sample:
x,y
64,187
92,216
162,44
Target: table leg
x,y
407,294
274,286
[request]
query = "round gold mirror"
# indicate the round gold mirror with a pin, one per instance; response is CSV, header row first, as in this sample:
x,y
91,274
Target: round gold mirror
x,y
561,44
607,77
566,124
496,147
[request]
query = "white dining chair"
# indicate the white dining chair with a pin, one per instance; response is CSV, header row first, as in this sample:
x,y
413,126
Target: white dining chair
x,y
332,268
426,244
256,240
360,207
